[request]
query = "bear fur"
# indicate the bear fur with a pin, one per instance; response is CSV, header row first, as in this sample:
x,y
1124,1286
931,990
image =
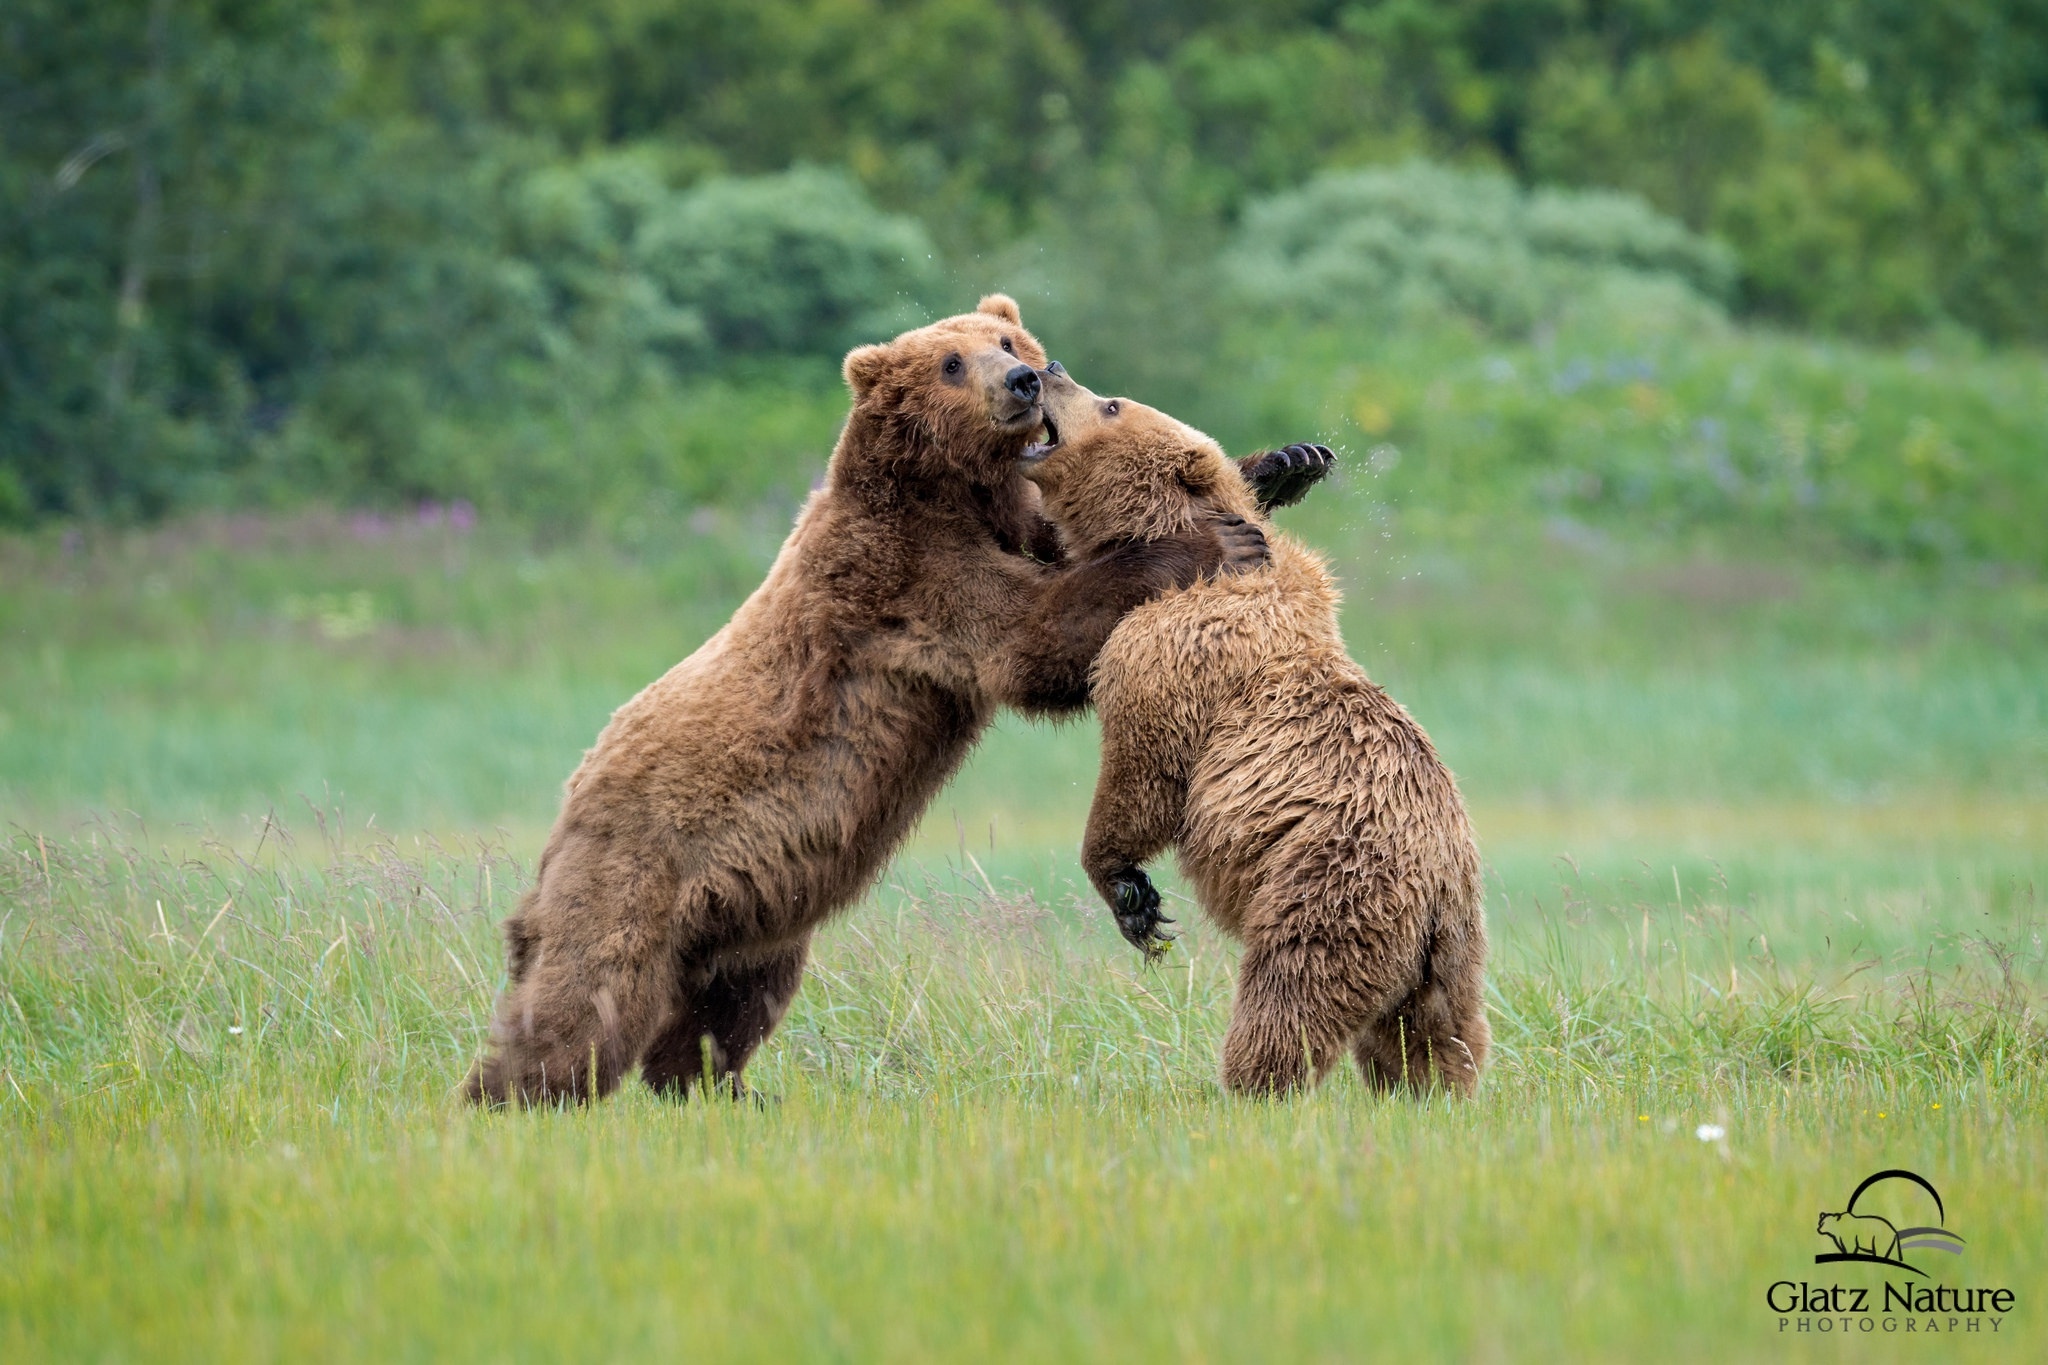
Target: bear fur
x,y
1309,810
760,785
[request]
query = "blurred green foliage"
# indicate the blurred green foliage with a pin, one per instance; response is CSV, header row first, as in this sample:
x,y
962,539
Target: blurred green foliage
x,y
1421,242
557,260
619,259
1631,410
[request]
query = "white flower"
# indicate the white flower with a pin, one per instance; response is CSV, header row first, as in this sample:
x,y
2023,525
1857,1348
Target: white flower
x,y
234,1028
1710,1132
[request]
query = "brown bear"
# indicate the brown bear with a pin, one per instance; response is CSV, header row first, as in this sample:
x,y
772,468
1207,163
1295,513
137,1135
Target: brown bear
x,y
1310,811
759,786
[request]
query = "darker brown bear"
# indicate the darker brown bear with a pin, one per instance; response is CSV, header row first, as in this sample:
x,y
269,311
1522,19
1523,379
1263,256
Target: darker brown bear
x,y
1309,810
758,786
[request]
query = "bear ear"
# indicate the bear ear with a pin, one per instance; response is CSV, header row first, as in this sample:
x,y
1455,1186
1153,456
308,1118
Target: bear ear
x,y
864,368
1000,306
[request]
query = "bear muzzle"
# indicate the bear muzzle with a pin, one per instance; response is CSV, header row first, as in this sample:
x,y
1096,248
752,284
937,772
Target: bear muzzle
x,y
1014,401
1022,381
1047,442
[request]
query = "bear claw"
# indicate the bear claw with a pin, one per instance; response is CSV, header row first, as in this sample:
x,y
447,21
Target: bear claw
x,y
1135,902
1244,545
1282,477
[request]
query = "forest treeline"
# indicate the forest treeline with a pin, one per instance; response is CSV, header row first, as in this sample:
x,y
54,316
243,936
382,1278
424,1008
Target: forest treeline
x,y
254,249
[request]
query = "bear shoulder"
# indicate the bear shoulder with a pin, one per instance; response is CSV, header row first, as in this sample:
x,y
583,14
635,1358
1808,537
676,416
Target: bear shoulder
x,y
1218,633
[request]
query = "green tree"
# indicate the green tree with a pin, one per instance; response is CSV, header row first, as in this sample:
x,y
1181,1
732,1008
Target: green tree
x,y
1677,127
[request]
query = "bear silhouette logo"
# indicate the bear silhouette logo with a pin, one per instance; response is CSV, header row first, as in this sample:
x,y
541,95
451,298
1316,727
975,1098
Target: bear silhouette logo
x,y
1864,1233
1874,1238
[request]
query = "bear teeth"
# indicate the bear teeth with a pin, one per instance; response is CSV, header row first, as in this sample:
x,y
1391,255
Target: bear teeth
x,y
1045,442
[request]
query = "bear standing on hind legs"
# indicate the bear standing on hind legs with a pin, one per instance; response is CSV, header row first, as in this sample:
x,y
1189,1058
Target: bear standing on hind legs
x,y
1309,810
758,787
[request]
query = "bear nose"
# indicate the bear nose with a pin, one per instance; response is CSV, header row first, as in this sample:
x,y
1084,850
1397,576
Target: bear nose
x,y
1022,381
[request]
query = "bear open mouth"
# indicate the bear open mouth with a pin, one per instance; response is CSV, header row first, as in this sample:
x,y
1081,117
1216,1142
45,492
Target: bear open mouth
x,y
1047,442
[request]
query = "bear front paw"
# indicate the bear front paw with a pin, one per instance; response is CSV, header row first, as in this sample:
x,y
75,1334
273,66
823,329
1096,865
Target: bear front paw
x,y
1136,903
1244,545
1282,477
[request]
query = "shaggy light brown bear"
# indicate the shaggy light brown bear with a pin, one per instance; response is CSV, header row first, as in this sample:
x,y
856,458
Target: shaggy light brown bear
x,y
759,786
1309,810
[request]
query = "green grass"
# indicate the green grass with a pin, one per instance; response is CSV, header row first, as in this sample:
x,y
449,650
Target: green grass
x,y
1933,453
1765,835
432,678
995,1137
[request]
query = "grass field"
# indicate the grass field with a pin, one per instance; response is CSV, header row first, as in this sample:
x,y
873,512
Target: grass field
x,y
1765,841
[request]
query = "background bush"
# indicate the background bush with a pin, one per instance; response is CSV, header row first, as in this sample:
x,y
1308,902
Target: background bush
x,y
798,263
795,263
1422,241
265,250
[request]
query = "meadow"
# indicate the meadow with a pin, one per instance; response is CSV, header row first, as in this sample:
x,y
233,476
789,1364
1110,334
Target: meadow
x,y
1764,830
388,391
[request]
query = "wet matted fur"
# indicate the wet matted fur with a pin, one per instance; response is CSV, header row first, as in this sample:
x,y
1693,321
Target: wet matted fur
x,y
759,786
1309,809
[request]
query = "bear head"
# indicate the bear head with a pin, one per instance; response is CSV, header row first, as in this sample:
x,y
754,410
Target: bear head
x,y
960,396
1110,470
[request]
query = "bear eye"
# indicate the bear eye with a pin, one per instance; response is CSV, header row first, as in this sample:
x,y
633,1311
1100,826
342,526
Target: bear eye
x,y
952,364
1113,409
1008,347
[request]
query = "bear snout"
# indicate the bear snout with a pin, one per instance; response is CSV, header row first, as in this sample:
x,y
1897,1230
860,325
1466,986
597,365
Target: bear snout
x,y
1022,381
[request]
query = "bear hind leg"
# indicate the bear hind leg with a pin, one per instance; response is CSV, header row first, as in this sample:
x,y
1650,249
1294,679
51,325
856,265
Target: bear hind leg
x,y
720,1017
1386,1059
567,1029
1293,1017
1438,1036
